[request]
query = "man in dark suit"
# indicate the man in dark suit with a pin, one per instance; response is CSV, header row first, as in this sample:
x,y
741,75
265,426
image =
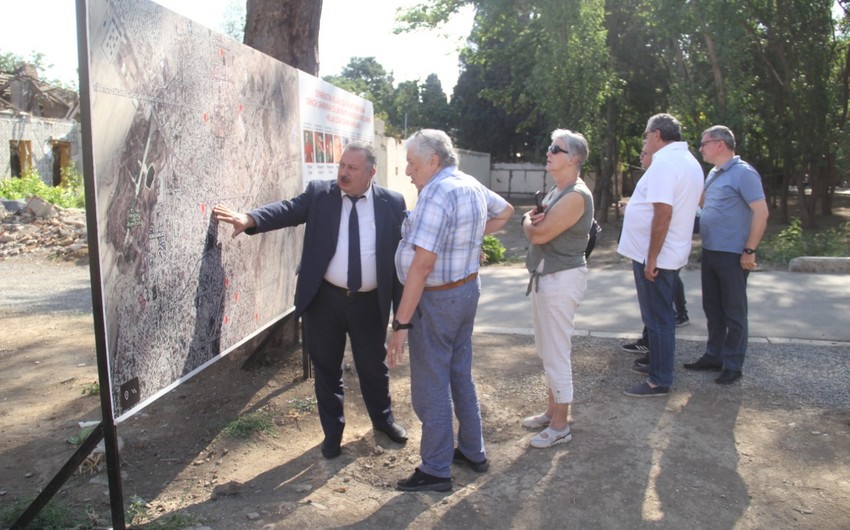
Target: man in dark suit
x,y
337,292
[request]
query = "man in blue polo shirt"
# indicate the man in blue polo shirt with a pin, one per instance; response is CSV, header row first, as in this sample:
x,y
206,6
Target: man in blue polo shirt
x,y
733,220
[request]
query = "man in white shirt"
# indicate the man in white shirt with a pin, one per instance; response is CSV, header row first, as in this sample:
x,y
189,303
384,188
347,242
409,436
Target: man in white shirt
x,y
657,233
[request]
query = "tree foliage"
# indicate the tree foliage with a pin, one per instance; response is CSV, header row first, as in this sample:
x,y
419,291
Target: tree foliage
x,y
775,71
10,62
408,106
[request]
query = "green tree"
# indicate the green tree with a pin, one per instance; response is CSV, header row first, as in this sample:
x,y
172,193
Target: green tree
x,y
365,77
436,113
405,109
10,62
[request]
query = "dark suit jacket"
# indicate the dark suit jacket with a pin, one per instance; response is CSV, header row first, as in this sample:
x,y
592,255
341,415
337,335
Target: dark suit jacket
x,y
320,207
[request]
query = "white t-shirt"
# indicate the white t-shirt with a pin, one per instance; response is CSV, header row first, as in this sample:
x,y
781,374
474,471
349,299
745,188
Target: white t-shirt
x,y
675,178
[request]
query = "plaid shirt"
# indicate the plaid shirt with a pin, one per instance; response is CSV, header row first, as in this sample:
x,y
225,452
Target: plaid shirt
x,y
448,220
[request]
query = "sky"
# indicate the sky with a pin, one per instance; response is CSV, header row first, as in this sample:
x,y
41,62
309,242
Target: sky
x,y
348,29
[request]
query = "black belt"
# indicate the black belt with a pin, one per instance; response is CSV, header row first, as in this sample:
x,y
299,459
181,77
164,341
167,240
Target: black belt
x,y
346,292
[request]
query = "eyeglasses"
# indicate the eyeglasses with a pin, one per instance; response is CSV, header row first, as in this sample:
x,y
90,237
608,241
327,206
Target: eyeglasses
x,y
647,133
555,149
708,142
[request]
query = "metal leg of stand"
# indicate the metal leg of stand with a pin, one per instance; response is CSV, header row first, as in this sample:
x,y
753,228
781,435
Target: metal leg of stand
x,y
61,477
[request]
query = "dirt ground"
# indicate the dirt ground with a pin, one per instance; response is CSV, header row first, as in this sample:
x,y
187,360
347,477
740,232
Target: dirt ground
x,y
745,457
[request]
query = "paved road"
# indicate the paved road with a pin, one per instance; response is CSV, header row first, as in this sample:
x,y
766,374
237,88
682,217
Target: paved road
x,y
784,306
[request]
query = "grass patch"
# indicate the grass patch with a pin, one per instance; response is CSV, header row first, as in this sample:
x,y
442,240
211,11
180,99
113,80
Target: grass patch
x,y
53,516
91,389
80,437
303,406
249,424
139,511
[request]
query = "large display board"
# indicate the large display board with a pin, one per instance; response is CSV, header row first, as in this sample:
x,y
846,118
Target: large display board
x,y
330,118
183,118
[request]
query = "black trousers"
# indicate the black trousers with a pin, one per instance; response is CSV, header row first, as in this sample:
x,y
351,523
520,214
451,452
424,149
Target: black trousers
x,y
724,300
327,320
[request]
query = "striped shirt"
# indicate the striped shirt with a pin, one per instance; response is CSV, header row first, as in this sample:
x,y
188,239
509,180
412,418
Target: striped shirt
x,y
448,220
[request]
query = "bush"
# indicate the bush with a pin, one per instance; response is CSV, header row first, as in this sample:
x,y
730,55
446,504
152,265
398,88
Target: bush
x,y
494,251
69,194
793,242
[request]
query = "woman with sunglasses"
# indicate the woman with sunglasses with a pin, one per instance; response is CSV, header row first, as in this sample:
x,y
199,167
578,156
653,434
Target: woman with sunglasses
x,y
556,262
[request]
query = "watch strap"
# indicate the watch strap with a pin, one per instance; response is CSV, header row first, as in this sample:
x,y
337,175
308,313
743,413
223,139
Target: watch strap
x,y
398,325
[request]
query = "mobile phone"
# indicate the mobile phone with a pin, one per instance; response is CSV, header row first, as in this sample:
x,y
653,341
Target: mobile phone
x,y
538,200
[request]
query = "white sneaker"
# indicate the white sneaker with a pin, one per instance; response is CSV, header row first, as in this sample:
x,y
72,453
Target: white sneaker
x,y
550,437
536,422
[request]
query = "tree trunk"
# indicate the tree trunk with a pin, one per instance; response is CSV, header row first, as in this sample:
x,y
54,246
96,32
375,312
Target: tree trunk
x,y
717,71
287,30
603,194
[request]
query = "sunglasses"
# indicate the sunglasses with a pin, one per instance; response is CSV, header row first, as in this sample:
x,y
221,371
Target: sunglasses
x,y
555,149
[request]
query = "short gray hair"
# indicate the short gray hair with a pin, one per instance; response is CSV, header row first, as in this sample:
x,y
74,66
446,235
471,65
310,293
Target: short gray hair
x,y
721,132
429,142
575,142
368,151
667,125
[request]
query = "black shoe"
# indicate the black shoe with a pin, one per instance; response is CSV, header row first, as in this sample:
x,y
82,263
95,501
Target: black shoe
x,y
394,432
421,481
639,347
643,360
682,321
727,377
478,467
704,363
643,390
640,368
330,449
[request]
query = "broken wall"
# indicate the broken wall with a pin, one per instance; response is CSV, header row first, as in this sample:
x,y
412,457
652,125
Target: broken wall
x,y
47,142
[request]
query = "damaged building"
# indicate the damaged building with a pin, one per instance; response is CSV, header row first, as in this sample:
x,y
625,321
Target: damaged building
x,y
39,126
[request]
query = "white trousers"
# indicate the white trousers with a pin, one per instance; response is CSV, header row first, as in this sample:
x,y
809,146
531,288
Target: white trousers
x,y
554,300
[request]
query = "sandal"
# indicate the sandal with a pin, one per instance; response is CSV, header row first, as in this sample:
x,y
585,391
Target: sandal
x,y
549,437
536,422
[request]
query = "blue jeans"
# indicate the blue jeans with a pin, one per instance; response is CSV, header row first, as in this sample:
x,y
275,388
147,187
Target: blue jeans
x,y
678,302
441,379
724,300
656,309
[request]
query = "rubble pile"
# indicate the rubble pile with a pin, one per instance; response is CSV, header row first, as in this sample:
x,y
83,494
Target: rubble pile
x,y
34,225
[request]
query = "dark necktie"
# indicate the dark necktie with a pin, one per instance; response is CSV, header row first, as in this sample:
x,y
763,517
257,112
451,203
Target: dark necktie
x,y
355,277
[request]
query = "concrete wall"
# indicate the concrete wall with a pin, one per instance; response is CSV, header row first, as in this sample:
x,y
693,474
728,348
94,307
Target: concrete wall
x,y
392,162
475,164
41,132
391,165
520,181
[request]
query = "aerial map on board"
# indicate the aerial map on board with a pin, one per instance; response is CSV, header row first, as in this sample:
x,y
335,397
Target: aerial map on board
x,y
184,118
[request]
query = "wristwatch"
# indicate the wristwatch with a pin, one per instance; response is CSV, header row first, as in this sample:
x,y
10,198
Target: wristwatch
x,y
398,325
749,251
